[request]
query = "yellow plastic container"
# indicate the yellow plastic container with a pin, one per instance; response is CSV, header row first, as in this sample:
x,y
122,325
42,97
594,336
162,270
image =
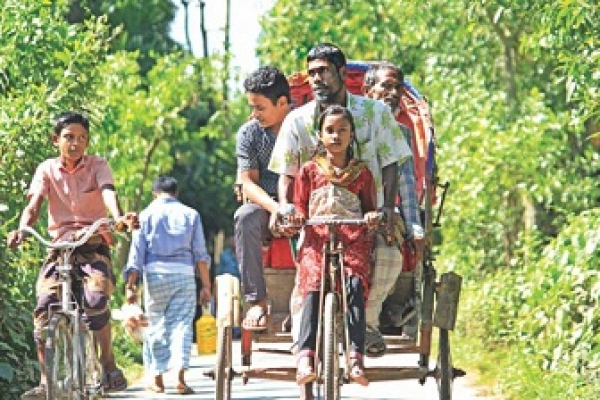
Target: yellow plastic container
x,y
206,333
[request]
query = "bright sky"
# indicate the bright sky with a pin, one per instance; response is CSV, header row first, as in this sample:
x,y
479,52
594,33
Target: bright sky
x,y
243,35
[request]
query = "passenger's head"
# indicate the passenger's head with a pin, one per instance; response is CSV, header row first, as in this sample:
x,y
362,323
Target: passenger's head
x,y
165,185
329,52
71,135
337,131
384,81
326,67
268,94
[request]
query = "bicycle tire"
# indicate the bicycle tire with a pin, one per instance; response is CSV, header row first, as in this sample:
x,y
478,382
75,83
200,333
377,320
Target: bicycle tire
x,y
444,368
59,359
92,379
331,370
223,368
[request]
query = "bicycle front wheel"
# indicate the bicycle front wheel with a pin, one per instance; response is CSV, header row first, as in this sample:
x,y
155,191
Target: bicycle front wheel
x,y
59,359
91,378
331,359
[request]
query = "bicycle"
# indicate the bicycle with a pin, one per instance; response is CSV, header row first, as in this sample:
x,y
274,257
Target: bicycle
x,y
333,305
72,366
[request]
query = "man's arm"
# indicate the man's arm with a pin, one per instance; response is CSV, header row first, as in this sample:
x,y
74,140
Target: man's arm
x,y
390,189
285,189
256,194
410,209
201,258
205,293
390,184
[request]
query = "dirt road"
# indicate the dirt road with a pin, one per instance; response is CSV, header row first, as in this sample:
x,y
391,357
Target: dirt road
x,y
270,389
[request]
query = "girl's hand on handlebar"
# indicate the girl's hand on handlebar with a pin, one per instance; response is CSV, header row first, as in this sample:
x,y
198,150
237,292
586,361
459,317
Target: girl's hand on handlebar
x,y
295,220
290,224
372,219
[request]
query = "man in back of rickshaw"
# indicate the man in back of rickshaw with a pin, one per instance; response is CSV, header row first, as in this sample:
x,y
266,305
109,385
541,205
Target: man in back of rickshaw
x,y
381,144
384,81
268,94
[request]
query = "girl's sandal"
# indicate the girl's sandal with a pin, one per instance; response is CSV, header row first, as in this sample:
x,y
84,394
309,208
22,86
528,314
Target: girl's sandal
x,y
357,372
305,371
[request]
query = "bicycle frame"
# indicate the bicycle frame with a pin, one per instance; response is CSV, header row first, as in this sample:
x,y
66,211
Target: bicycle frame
x,y
333,269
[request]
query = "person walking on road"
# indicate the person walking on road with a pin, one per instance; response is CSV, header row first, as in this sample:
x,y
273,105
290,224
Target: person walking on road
x,y
167,252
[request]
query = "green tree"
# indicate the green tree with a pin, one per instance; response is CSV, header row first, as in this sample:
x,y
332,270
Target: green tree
x,y
46,66
143,25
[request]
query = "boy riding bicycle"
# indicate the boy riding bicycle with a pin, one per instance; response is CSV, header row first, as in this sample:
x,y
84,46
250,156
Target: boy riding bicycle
x,y
79,189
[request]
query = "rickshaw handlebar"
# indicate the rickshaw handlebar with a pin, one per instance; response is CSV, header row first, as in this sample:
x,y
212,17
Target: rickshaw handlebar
x,y
65,245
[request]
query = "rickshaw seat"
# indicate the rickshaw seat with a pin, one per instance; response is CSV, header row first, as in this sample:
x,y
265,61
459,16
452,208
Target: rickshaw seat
x,y
279,254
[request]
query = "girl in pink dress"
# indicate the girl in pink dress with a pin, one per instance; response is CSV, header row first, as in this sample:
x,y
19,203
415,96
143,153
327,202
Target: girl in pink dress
x,y
334,184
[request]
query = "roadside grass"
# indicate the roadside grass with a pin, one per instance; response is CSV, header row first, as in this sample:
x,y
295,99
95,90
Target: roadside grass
x,y
510,372
483,367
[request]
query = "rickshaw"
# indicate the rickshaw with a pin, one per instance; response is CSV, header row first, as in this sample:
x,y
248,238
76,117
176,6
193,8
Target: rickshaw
x,y
434,303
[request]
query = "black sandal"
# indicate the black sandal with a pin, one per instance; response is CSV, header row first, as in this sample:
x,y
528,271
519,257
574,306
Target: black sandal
x,y
374,343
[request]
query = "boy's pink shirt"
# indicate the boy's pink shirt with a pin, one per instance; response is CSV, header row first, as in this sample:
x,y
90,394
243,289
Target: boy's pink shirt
x,y
74,198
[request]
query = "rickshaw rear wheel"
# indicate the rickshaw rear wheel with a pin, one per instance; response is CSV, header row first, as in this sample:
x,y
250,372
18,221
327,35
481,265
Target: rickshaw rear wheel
x,y
223,368
444,369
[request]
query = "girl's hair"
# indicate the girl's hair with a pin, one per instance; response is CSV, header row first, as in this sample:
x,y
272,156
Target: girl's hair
x,y
336,109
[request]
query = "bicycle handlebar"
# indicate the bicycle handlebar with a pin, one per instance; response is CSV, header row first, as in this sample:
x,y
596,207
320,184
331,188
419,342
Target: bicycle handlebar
x,y
334,221
64,245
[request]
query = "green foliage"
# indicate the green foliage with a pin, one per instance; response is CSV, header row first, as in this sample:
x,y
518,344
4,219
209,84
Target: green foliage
x,y
34,86
352,25
143,26
546,314
17,367
568,31
207,171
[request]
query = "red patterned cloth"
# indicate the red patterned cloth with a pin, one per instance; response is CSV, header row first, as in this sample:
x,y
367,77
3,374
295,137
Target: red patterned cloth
x,y
316,195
